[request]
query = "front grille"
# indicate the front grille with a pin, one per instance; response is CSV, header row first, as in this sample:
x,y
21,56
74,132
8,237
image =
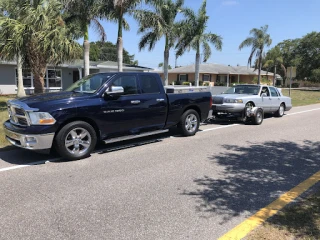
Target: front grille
x,y
23,121
218,100
17,116
19,111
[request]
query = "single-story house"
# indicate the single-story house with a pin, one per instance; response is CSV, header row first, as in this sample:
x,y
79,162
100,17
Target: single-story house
x,y
218,74
57,77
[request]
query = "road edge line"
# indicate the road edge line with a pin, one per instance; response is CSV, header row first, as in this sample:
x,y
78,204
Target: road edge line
x,y
244,228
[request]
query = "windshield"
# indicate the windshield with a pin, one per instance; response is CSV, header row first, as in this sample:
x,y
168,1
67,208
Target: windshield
x,y
243,89
90,83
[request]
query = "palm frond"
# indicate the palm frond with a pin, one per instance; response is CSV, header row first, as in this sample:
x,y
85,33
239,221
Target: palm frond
x,y
247,43
206,51
150,39
99,28
214,39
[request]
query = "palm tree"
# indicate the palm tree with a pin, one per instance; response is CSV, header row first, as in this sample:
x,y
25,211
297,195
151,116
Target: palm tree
x,y
157,23
259,40
194,36
274,59
115,11
12,47
45,38
85,14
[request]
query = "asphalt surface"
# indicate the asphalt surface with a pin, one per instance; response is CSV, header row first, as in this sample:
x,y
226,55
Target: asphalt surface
x,y
163,187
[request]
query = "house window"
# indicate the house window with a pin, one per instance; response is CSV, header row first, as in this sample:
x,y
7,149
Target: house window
x,y
206,77
52,78
183,78
26,77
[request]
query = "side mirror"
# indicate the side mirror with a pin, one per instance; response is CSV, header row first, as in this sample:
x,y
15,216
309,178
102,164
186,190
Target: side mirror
x,y
114,91
264,95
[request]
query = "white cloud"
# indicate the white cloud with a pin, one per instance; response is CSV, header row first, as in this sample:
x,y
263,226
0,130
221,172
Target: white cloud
x,y
230,3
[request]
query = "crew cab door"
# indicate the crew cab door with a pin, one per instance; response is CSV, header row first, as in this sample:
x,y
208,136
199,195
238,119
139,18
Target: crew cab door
x,y
122,114
153,103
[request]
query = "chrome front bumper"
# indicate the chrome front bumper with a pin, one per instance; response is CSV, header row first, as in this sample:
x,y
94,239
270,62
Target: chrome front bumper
x,y
31,142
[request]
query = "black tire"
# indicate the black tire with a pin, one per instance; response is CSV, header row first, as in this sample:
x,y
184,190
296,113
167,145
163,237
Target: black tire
x,y
189,123
82,137
258,118
280,111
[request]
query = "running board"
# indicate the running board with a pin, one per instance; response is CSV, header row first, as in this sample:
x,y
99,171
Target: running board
x,y
129,137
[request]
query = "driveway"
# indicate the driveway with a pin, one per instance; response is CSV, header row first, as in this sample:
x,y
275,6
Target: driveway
x,y
164,187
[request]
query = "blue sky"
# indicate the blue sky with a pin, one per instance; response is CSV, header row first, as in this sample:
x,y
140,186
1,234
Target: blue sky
x,y
232,20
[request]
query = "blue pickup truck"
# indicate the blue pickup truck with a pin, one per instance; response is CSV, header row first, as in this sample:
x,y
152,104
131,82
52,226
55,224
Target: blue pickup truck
x,y
109,107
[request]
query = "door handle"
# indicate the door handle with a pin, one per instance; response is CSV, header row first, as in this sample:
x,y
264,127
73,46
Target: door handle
x,y
135,101
160,100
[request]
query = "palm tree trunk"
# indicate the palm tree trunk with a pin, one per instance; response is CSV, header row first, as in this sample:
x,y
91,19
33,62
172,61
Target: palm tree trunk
x,y
86,53
196,76
166,62
120,44
260,67
21,92
39,80
274,75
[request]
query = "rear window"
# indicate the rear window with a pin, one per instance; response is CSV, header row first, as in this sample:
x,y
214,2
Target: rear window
x,y
149,84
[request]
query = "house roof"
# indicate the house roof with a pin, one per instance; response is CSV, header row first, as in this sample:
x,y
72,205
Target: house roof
x,y
214,68
78,63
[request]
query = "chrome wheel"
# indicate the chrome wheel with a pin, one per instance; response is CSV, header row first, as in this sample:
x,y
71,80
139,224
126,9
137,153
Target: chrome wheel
x,y
281,110
78,141
191,123
259,117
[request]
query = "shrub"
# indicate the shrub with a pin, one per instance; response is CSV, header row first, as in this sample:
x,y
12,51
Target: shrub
x,y
219,84
186,83
295,85
205,84
315,76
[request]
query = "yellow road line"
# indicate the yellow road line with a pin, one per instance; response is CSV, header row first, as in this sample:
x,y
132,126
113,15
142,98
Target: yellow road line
x,y
263,214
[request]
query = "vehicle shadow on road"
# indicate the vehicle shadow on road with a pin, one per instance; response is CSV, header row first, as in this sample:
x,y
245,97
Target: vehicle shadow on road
x,y
253,177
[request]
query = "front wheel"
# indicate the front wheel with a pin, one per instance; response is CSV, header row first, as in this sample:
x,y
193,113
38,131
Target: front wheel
x,y
258,118
76,140
189,123
280,111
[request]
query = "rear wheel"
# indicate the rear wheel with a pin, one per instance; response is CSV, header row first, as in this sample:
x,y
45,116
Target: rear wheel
x,y
76,140
189,123
280,111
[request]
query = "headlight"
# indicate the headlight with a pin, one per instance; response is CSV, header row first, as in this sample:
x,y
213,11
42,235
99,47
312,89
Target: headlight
x,y
41,118
233,100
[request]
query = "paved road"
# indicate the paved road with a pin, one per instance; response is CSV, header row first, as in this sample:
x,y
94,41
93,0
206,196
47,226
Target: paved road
x,y
169,188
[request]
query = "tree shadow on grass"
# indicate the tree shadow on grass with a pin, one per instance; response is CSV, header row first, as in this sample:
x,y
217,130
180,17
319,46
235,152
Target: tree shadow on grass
x,y
254,176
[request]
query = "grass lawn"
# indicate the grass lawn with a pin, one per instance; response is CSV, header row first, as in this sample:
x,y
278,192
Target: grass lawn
x,y
3,117
299,221
303,97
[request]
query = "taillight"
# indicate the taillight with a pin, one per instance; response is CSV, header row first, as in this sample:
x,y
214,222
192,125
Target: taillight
x,y
211,102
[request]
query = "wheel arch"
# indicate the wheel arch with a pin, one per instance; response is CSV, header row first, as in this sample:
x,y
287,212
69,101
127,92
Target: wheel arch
x,y
193,107
84,119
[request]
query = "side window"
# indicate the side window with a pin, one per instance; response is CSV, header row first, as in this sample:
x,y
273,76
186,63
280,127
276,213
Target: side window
x,y
149,84
129,84
266,91
274,92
